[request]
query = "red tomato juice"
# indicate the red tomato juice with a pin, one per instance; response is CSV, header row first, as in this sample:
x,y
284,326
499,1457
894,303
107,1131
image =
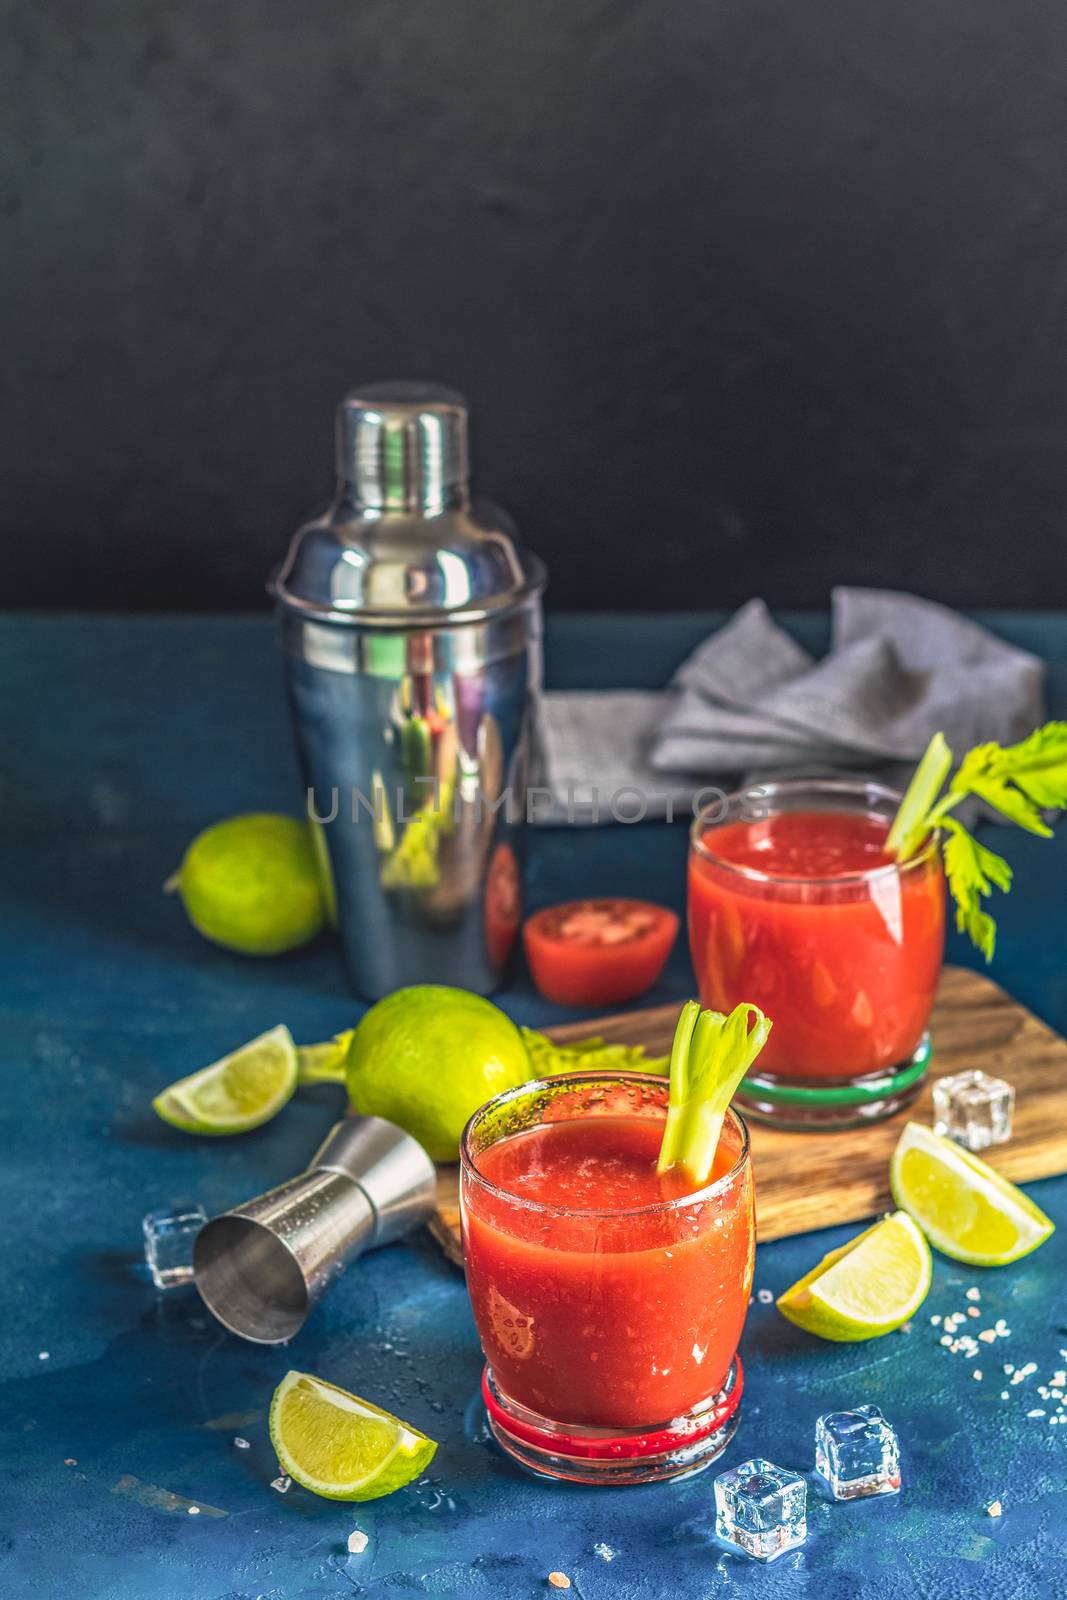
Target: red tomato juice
x,y
842,956
593,1311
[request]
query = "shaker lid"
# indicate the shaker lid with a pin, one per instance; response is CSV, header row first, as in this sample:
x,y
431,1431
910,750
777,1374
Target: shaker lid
x,y
402,544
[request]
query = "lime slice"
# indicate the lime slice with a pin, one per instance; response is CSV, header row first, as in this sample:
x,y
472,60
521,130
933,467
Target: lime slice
x,y
966,1210
238,1092
340,1446
866,1288
324,1063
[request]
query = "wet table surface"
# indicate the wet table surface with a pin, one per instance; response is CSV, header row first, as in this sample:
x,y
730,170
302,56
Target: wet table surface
x,y
120,738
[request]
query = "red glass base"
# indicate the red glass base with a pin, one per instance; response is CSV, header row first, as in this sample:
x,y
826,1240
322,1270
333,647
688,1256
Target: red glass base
x,y
674,1449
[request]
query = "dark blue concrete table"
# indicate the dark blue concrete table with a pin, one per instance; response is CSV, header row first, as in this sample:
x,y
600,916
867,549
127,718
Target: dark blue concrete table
x,y
119,738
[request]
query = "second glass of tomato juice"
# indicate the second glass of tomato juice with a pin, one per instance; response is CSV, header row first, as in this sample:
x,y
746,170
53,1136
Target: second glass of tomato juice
x,y
795,904
608,1299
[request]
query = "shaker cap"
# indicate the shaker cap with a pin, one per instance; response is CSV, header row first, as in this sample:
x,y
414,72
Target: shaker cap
x,y
403,446
402,544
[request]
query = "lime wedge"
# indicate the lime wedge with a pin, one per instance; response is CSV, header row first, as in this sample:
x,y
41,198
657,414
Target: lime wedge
x,y
324,1063
865,1288
237,1093
966,1210
340,1446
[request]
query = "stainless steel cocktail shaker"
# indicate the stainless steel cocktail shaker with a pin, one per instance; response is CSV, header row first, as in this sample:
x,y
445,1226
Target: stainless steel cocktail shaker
x,y
411,627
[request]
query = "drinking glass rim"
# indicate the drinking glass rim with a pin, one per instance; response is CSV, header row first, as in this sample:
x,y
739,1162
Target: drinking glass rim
x,y
615,1213
839,786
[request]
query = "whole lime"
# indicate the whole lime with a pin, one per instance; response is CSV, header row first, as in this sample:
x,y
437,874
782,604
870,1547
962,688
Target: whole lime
x,y
252,884
427,1057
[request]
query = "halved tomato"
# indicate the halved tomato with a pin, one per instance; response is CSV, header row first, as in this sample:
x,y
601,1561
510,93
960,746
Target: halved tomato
x,y
598,952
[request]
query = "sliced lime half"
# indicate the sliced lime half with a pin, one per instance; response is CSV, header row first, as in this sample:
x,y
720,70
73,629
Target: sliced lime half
x,y
966,1210
239,1092
865,1288
340,1446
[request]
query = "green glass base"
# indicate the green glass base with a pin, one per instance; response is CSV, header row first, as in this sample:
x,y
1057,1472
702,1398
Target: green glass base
x,y
830,1103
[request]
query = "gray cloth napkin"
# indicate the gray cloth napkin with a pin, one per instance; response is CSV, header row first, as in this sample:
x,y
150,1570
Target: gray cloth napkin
x,y
749,703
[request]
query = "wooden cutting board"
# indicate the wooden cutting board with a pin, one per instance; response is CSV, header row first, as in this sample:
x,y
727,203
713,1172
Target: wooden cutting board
x,y
812,1180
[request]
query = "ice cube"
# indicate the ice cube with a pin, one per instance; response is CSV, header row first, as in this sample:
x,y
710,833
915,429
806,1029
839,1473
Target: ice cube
x,y
761,1509
974,1109
857,1453
168,1243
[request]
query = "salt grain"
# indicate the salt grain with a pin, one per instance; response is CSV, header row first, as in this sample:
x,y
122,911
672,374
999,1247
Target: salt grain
x,y
559,1580
194,1511
281,1484
764,1296
945,1339
1035,1413
242,1444
357,1542
987,1336
977,1374
935,1321
973,1293
604,1551
994,1510
70,1462
42,1355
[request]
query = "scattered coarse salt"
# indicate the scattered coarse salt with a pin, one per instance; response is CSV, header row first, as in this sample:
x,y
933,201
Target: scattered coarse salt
x,y
559,1580
42,1355
973,1311
994,1510
357,1542
1003,1394
764,1296
604,1551
1059,1379
987,1336
1017,1377
977,1374
945,1339
1008,1368
1035,1413
70,1462
194,1511
935,1320
281,1484
973,1293
1030,1367
242,1444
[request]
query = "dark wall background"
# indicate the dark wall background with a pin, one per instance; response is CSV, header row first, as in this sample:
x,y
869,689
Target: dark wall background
x,y
748,295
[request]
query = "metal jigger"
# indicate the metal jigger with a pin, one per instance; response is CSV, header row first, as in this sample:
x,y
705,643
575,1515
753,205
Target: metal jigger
x,y
261,1267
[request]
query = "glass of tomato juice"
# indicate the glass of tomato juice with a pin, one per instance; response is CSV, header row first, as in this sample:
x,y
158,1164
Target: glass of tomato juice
x,y
795,905
609,1300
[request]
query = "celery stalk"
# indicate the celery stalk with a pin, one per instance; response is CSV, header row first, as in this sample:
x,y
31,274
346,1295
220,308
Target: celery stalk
x,y
912,821
710,1055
